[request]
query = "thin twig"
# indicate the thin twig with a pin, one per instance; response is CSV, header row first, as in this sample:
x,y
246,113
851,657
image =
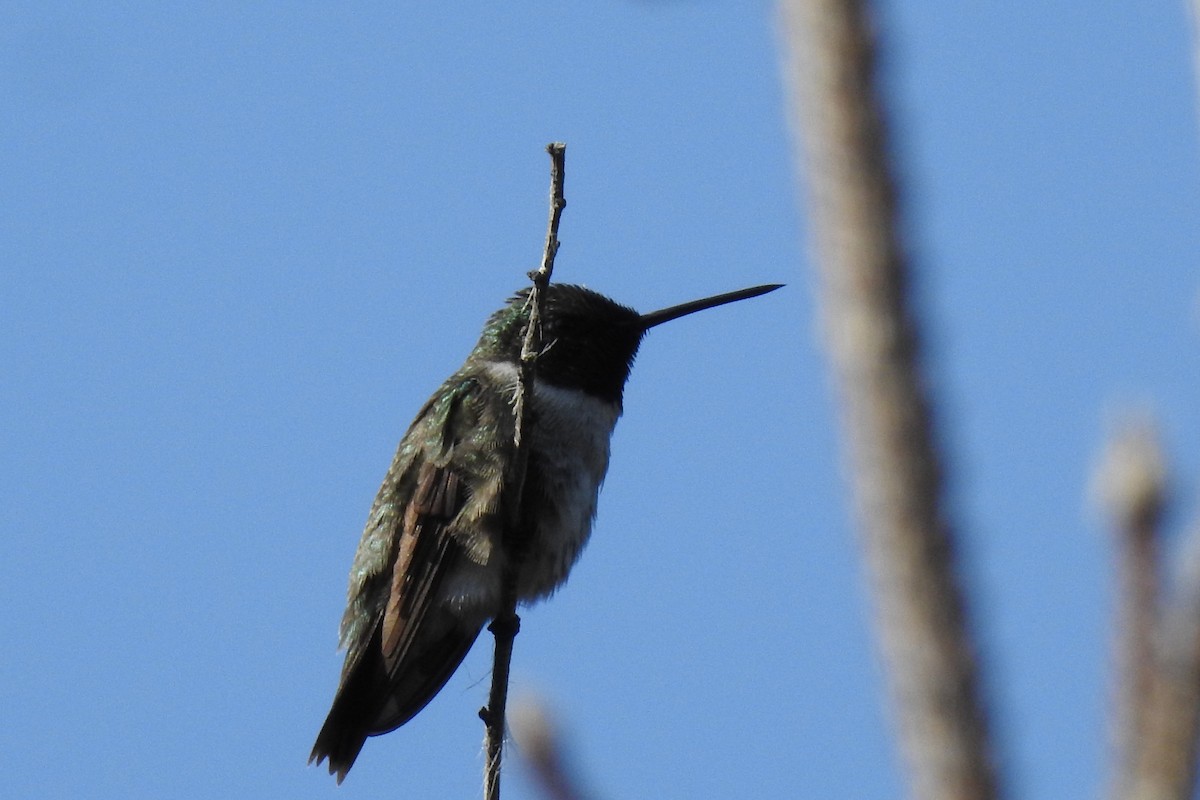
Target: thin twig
x,y
506,623
1131,484
874,341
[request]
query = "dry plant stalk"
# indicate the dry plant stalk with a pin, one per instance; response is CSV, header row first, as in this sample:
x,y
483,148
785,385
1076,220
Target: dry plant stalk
x,y
1158,700
1160,760
1131,485
506,623
541,745
875,348
1164,765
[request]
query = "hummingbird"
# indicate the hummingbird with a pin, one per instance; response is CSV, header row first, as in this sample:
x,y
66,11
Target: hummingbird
x,y
427,574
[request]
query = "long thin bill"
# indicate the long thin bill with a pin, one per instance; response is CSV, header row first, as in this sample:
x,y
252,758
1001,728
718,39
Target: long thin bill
x,y
683,309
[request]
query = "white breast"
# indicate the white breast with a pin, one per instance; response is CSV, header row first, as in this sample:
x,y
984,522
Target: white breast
x,y
571,441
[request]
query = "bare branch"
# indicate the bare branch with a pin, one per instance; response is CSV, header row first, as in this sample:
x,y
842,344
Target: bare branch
x,y
874,343
506,623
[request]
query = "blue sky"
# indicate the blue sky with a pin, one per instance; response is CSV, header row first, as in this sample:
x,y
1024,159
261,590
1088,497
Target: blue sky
x,y
241,245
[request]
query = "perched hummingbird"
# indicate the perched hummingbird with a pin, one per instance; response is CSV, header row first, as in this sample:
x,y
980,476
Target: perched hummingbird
x,y
428,570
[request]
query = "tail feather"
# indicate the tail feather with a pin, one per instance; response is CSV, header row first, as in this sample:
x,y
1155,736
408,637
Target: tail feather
x,y
344,733
340,748
373,700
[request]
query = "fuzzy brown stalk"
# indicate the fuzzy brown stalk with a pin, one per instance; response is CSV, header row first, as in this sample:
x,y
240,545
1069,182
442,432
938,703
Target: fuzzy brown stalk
x,y
1131,484
1165,758
874,343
